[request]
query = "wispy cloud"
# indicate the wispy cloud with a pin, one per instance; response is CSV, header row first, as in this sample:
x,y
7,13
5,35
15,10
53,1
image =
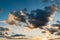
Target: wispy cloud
x,y
1,10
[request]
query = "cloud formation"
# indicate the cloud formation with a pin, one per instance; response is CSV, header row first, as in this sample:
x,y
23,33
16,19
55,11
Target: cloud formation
x,y
42,17
16,17
36,18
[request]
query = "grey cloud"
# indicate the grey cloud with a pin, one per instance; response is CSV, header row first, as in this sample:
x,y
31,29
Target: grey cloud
x,y
37,17
41,17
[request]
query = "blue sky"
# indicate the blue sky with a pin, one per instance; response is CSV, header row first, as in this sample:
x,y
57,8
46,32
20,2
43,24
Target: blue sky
x,y
14,5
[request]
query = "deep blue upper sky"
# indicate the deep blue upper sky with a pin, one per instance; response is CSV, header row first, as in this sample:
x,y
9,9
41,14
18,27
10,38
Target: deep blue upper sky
x,y
13,5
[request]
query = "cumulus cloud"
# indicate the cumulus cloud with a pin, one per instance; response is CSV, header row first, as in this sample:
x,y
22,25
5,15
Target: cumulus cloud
x,y
16,17
36,18
11,19
42,17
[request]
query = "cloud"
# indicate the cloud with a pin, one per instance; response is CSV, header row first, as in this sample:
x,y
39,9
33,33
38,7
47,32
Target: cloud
x,y
36,18
58,21
11,19
16,17
4,29
45,1
1,9
42,17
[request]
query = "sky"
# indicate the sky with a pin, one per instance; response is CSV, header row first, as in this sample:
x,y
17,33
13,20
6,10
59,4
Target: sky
x,y
13,5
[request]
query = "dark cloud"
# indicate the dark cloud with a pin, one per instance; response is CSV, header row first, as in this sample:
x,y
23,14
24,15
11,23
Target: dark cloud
x,y
17,35
3,29
52,30
17,16
36,18
58,21
41,17
57,24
